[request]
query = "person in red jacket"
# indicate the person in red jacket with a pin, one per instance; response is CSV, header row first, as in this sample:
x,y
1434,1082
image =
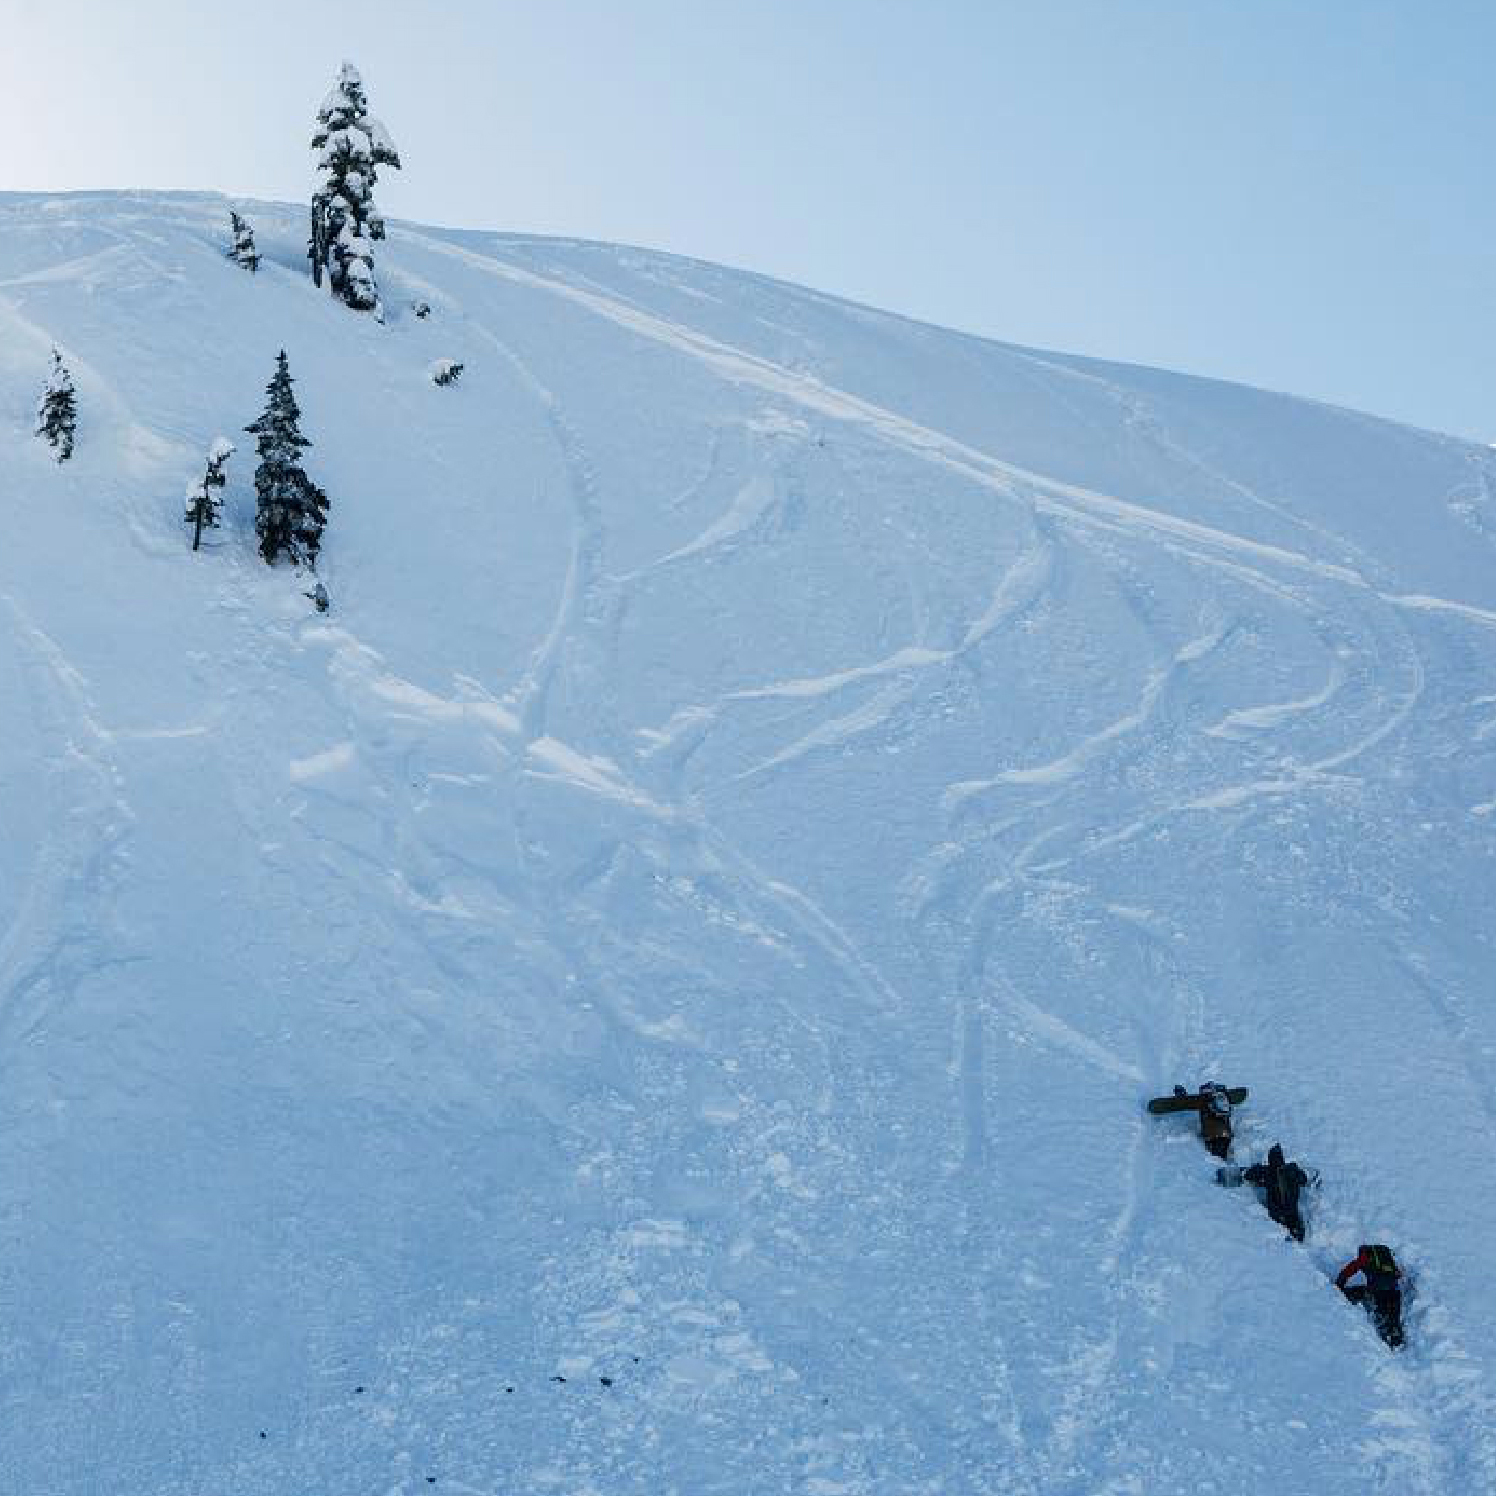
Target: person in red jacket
x,y
1383,1288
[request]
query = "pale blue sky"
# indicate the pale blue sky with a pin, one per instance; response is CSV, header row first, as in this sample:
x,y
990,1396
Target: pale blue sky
x,y
1295,193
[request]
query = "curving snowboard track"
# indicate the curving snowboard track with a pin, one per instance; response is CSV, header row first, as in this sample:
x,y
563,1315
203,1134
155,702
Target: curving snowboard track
x,y
64,929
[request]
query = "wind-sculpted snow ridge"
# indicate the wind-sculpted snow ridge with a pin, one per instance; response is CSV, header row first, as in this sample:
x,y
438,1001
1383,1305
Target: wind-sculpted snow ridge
x,y
656,990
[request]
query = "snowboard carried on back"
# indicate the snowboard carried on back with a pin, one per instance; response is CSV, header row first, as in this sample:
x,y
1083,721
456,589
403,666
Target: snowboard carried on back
x,y
1190,1101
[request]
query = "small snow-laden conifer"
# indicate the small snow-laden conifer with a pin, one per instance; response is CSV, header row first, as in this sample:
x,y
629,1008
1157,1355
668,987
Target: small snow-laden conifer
x,y
243,251
204,497
351,146
446,371
291,509
57,410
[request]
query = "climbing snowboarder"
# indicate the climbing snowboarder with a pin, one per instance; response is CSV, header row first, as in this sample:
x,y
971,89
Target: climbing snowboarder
x,y
1213,1102
1283,1181
1382,1291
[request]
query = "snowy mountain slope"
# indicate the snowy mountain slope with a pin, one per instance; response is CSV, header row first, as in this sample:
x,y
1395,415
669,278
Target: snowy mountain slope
x,y
777,788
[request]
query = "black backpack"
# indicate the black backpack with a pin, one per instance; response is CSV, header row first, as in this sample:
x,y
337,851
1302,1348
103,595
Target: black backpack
x,y
1380,1267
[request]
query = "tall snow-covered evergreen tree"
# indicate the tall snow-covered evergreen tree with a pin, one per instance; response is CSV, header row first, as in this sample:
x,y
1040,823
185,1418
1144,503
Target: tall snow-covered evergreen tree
x,y
57,410
292,510
351,145
204,502
243,251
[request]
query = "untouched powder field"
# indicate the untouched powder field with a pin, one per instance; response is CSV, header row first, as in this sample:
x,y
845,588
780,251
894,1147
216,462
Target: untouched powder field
x,y
778,787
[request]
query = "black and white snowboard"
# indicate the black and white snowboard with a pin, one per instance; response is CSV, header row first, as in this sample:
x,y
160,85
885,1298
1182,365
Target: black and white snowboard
x,y
1190,1101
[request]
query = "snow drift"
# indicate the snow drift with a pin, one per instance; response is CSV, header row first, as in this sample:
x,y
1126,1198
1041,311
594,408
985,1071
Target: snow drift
x,y
776,789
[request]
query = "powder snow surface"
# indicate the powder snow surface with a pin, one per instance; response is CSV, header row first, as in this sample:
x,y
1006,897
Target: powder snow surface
x,y
776,790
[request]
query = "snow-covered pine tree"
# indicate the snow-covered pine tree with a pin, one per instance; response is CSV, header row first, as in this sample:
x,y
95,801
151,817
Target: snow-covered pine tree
x,y
351,146
243,251
57,410
203,501
292,510
446,371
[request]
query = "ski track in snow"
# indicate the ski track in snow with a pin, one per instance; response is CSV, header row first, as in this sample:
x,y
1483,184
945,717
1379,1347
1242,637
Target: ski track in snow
x,y
1061,500
753,501
582,583
64,930
1020,586
582,573
1265,718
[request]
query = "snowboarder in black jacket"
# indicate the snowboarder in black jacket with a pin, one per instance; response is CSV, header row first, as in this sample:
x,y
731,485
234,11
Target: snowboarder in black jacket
x,y
1283,1182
